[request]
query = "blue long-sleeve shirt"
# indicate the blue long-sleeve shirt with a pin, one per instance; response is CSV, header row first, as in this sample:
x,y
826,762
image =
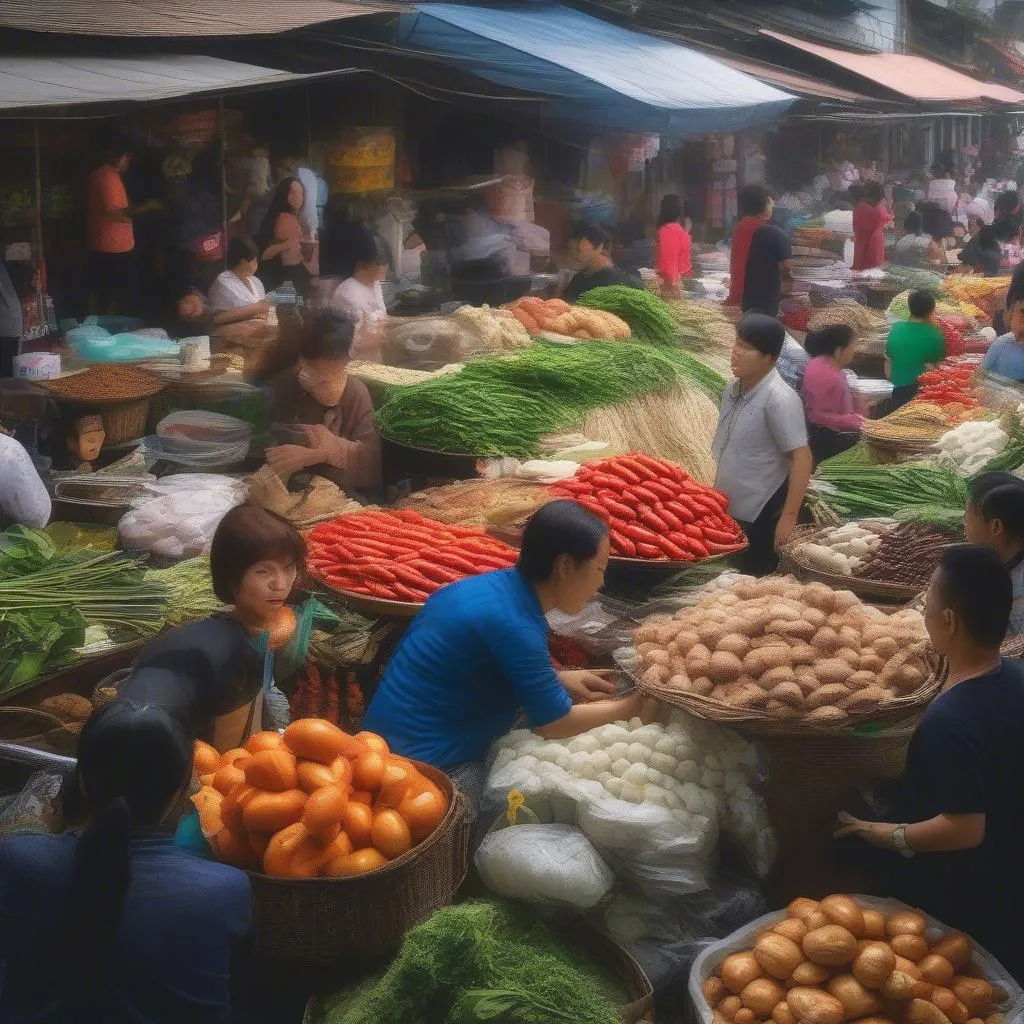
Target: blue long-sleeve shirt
x,y
474,658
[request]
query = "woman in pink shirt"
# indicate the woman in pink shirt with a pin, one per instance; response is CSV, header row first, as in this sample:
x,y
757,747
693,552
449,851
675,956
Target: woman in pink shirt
x,y
869,220
832,425
281,240
674,247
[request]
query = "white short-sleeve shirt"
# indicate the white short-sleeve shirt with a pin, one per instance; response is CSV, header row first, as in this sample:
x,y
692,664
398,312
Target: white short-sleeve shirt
x,y
229,291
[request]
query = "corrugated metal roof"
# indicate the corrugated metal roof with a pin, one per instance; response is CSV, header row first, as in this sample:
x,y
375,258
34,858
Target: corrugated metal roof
x,y
793,81
122,18
35,82
916,77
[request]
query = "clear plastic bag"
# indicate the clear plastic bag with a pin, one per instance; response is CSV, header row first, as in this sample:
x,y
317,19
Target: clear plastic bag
x,y
420,340
197,426
553,865
36,808
711,958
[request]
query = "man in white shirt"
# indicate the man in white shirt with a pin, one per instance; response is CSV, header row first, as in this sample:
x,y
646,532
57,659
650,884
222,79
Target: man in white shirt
x,y
23,496
764,462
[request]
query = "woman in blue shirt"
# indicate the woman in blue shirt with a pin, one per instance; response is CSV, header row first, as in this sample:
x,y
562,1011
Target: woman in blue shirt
x,y
114,924
1005,356
477,655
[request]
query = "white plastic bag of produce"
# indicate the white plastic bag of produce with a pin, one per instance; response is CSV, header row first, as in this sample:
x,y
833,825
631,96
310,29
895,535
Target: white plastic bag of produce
x,y
710,960
547,864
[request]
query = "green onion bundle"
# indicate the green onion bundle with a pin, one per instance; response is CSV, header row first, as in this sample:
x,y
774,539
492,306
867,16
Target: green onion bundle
x,y
503,405
648,316
190,590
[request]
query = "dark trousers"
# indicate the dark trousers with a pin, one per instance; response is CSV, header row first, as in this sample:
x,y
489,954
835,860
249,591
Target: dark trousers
x,y
903,394
826,442
8,350
760,558
113,279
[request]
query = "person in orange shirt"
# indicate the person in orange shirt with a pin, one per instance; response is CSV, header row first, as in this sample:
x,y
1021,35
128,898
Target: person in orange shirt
x,y
111,238
756,205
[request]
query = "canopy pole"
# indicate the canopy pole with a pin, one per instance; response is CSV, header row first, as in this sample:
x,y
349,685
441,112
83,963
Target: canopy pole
x,y
39,224
223,176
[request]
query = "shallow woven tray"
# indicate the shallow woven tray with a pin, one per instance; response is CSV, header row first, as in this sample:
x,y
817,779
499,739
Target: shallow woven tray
x,y
759,723
891,593
140,393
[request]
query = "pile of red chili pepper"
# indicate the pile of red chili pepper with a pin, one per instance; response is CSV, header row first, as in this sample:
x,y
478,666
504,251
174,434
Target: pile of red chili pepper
x,y
400,555
654,508
950,383
954,332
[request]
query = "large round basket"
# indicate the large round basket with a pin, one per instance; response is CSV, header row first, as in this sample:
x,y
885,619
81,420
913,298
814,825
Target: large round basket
x,y
320,922
639,1007
126,421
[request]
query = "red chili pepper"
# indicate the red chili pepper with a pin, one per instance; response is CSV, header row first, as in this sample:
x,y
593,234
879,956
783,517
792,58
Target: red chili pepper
x,y
669,517
682,510
675,551
643,494
621,469
638,533
721,549
613,483
593,506
693,530
438,573
651,520
619,509
622,544
720,536
453,561
649,551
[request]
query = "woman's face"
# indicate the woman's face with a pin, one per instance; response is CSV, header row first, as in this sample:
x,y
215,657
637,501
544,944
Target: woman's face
x,y
587,253
577,583
246,268
296,196
844,355
265,587
324,379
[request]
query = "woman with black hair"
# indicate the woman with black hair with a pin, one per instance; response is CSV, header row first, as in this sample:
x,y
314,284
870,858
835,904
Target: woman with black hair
x,y
477,656
916,248
593,246
238,295
333,409
280,238
114,924
833,426
995,518
870,219
674,246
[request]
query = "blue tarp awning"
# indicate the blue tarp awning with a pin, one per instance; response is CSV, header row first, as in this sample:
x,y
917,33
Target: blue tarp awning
x,y
594,72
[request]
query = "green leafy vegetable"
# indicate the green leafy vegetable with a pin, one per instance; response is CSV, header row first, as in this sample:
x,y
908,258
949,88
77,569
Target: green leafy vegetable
x,y
648,316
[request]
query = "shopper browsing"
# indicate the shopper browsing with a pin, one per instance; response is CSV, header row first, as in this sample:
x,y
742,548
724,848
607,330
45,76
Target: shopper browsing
x,y
995,518
833,424
361,298
281,238
593,247
768,261
115,924
912,345
953,834
755,207
674,246
1005,357
238,295
871,216
476,657
23,497
760,445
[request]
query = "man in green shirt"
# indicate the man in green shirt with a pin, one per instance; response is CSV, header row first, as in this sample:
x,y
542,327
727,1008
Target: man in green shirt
x,y
912,345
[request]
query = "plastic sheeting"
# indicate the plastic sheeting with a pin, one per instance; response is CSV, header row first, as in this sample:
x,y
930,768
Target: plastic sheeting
x,y
594,72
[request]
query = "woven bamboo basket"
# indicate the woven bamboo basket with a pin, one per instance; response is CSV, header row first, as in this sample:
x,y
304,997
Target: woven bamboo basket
x,y
877,590
639,1009
892,714
126,421
320,922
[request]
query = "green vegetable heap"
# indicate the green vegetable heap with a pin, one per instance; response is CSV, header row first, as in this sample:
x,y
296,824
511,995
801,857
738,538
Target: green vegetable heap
x,y
503,405
649,318
480,961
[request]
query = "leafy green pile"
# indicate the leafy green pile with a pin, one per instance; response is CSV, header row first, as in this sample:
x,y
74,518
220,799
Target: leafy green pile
x,y
190,590
503,405
481,961
648,316
47,600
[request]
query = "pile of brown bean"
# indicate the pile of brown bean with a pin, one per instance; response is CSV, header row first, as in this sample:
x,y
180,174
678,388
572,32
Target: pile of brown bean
x,y
107,382
908,555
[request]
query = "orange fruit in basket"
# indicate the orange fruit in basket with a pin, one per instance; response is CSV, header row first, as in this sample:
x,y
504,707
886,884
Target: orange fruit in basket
x,y
358,863
339,846
374,742
357,823
390,834
232,847
313,776
368,771
423,812
233,755
264,741
271,812
316,739
227,777
205,759
233,804
324,810
273,770
292,853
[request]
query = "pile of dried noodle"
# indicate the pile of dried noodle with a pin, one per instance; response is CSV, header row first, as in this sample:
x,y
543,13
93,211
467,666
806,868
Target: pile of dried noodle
x,y
503,501
678,425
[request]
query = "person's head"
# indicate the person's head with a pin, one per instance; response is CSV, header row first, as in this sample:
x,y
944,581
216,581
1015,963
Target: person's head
x,y
288,197
134,763
564,554
838,342
255,558
914,223
1007,204
117,151
967,608
85,434
592,244
325,349
759,341
243,256
671,210
921,304
755,201
995,513
873,193
1007,229
371,261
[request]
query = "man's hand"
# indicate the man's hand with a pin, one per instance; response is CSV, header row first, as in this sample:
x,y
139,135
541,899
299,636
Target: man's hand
x,y
877,833
318,436
784,528
287,459
585,686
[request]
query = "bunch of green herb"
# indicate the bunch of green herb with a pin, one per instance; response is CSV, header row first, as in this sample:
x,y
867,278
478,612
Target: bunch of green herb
x,y
481,961
648,316
190,590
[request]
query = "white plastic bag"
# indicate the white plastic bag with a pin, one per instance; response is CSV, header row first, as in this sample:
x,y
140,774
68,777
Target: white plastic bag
x,y
709,961
547,864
